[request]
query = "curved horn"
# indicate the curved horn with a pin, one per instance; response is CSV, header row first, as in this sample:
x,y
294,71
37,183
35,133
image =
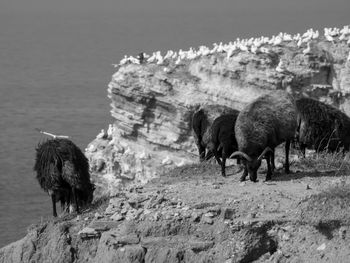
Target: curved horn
x,y
244,155
267,149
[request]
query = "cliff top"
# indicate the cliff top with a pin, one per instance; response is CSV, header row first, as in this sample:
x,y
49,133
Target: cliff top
x,y
192,214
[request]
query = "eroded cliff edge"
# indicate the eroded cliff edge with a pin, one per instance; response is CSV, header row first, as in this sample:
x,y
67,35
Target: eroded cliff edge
x,y
153,98
191,213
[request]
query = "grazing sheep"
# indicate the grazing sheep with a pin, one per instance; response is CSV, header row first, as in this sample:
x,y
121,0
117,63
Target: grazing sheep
x,y
223,139
321,126
63,171
202,120
261,126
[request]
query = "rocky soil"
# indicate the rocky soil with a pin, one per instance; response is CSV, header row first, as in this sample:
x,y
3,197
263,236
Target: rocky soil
x,y
192,214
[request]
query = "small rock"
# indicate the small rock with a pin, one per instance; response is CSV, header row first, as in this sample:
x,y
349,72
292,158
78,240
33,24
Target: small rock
x,y
308,187
98,215
342,233
285,237
215,186
207,220
253,215
186,208
124,211
196,217
167,217
228,213
117,217
156,216
322,247
88,232
209,214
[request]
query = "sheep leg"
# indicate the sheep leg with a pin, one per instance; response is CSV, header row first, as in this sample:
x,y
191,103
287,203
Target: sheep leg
x,y
286,166
302,149
273,160
269,166
245,173
74,193
223,163
53,199
201,154
217,157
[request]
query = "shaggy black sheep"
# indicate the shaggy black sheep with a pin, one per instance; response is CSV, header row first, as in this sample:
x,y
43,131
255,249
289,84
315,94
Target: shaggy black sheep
x,y
62,170
202,121
321,126
223,139
261,126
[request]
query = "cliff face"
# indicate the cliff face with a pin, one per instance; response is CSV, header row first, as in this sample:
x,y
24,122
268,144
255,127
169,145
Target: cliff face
x,y
153,98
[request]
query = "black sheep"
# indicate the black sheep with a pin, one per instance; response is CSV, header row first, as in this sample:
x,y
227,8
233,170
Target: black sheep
x,y
202,120
223,139
321,126
261,126
62,170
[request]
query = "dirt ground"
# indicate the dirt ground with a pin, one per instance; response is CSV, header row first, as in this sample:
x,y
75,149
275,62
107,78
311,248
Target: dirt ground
x,y
192,214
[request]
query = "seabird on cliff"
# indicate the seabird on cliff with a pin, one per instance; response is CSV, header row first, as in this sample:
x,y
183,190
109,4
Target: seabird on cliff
x,y
152,58
307,50
281,67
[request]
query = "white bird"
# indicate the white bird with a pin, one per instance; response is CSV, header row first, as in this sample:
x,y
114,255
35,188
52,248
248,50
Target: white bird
x,y
277,41
169,54
281,67
300,42
348,59
124,61
287,37
307,50
152,58
243,47
329,38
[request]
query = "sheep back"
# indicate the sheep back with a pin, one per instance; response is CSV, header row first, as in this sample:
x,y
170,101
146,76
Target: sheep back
x,y
266,122
322,125
203,119
223,130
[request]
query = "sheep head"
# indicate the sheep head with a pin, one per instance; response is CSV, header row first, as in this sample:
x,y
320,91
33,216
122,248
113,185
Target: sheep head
x,y
251,164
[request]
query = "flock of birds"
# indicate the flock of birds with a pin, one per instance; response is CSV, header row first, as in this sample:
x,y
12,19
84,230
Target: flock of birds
x,y
253,45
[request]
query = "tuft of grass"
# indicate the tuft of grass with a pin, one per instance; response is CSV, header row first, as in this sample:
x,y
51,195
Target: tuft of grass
x,y
331,204
324,161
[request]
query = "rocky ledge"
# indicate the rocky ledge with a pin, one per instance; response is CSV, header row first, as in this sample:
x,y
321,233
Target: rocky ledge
x,y
192,214
153,97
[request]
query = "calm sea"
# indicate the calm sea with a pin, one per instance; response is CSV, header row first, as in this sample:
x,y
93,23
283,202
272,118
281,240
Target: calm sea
x,y
55,67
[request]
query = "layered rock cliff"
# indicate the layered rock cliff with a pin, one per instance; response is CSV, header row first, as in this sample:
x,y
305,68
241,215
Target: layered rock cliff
x,y
153,97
